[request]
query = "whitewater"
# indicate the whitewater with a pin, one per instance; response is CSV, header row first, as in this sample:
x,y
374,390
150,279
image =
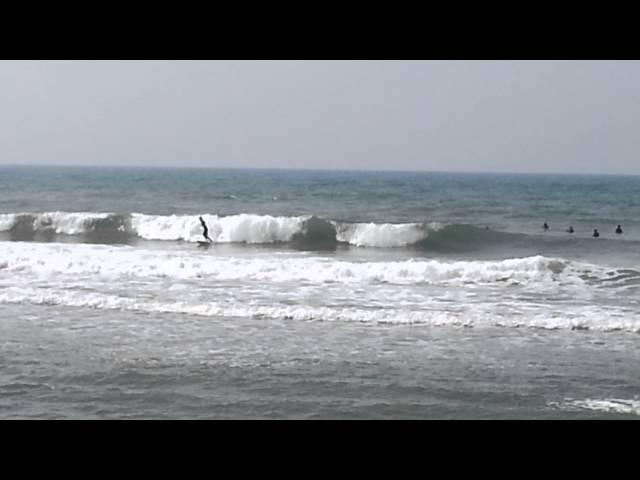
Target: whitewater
x,y
321,295
304,286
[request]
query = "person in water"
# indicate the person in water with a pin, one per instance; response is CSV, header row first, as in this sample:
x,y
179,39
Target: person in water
x,y
206,230
596,233
545,226
570,229
619,230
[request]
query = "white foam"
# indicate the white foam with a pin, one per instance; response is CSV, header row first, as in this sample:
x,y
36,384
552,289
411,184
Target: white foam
x,y
219,305
384,235
612,405
173,227
74,259
7,220
67,223
244,228
222,309
506,293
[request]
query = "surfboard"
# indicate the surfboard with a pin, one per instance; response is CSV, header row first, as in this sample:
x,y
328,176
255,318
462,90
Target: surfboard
x,y
204,244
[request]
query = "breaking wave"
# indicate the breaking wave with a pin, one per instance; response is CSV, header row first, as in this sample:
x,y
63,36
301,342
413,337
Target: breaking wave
x,y
302,232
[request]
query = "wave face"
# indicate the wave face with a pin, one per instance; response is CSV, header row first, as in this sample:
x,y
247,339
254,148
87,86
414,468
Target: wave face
x,y
92,227
463,237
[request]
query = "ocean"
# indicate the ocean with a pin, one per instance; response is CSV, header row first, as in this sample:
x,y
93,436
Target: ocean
x,y
323,295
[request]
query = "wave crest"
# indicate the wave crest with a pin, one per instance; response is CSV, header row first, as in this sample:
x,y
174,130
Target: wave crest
x,y
301,232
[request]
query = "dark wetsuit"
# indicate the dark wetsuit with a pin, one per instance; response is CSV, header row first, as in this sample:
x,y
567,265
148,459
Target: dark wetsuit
x,y
596,233
619,230
206,230
570,230
545,226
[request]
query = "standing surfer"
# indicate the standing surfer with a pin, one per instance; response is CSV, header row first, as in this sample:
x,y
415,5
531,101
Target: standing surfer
x,y
206,230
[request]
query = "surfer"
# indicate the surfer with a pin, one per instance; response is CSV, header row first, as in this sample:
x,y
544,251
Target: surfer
x,y
619,230
570,229
206,230
545,226
596,233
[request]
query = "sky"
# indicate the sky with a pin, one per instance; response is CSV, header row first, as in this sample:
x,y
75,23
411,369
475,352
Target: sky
x,y
477,116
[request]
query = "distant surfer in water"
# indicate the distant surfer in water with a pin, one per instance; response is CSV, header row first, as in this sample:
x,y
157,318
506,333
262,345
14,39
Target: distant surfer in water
x,y
206,230
596,233
570,229
619,230
545,226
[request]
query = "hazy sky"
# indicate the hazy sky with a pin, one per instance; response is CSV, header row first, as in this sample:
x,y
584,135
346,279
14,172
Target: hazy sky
x,y
515,116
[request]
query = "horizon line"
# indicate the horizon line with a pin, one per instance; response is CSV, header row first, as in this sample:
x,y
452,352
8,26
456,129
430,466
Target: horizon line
x,y
317,169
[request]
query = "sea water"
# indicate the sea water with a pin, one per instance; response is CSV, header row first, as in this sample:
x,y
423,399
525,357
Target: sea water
x,y
323,294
